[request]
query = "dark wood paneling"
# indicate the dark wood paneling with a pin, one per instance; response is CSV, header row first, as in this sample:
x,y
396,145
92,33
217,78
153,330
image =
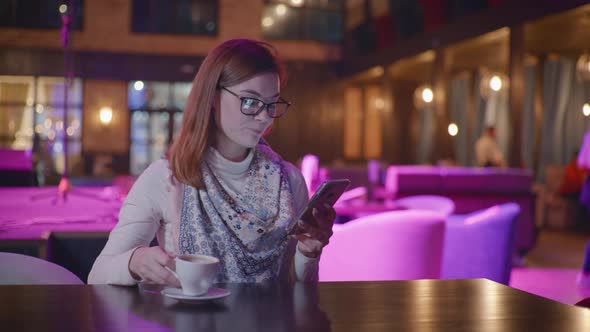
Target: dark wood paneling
x,y
405,122
314,124
99,65
391,143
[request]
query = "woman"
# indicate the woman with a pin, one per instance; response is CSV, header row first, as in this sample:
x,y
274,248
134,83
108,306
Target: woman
x,y
221,191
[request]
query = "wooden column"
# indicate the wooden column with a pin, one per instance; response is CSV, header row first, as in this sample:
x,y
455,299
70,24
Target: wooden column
x,y
405,120
391,140
516,94
442,145
472,116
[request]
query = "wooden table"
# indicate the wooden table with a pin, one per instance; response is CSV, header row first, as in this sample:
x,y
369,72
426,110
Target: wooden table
x,y
420,305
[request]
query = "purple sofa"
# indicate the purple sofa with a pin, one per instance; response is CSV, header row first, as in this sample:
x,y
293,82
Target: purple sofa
x,y
470,188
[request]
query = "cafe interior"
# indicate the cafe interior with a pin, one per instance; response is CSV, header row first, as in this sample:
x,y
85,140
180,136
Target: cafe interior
x,y
404,98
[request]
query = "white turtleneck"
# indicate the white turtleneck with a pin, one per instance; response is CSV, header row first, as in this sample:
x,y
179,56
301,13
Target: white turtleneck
x,y
153,206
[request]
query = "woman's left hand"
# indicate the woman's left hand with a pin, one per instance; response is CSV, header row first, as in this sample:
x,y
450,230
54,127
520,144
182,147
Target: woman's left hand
x,y
313,239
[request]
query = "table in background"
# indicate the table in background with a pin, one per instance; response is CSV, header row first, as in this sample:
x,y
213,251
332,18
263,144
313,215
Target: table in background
x,y
69,233
360,208
419,305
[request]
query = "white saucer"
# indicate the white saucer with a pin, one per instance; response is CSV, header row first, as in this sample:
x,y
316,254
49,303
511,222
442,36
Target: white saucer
x,y
212,294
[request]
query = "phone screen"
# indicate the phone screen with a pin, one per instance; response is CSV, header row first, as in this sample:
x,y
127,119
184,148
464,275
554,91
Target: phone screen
x,y
328,193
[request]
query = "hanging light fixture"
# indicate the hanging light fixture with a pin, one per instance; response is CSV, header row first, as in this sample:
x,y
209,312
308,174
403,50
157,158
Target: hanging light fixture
x,y
583,67
423,96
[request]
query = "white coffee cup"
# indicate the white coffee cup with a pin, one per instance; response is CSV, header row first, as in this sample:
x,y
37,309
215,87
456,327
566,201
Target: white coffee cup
x,y
196,273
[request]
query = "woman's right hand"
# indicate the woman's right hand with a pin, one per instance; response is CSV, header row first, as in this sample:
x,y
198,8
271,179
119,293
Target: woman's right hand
x,y
148,264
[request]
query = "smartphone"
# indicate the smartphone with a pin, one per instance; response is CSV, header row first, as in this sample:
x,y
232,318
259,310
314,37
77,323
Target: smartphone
x,y
328,193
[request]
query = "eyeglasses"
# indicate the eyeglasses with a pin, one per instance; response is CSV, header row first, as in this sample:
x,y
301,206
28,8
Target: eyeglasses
x,y
253,106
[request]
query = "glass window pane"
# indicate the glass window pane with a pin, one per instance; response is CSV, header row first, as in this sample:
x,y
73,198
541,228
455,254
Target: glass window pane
x,y
324,25
157,151
177,124
74,120
159,123
50,91
16,127
159,134
181,92
74,155
331,4
17,90
49,122
313,20
180,16
138,158
139,127
44,14
157,94
136,95
287,26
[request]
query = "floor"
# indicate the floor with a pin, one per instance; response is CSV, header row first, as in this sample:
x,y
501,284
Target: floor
x,y
558,249
551,268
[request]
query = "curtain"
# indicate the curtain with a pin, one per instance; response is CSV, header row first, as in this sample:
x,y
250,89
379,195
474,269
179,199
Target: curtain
x,y
501,121
558,76
528,119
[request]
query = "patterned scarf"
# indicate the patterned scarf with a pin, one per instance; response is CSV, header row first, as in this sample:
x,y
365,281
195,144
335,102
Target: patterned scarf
x,y
246,231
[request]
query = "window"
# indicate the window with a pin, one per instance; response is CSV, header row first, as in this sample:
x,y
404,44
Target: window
x,y
31,117
17,95
39,14
156,115
198,17
319,20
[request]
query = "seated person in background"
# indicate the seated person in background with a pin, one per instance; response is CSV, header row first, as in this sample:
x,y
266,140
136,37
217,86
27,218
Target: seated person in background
x,y
487,151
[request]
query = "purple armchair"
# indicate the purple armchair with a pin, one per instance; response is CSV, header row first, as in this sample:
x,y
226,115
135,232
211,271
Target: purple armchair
x,y
396,245
481,244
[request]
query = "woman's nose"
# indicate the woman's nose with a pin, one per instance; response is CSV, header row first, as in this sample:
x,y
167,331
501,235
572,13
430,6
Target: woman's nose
x,y
263,116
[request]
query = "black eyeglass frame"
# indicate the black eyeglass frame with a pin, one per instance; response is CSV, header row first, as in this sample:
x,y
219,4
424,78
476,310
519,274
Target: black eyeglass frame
x,y
264,106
